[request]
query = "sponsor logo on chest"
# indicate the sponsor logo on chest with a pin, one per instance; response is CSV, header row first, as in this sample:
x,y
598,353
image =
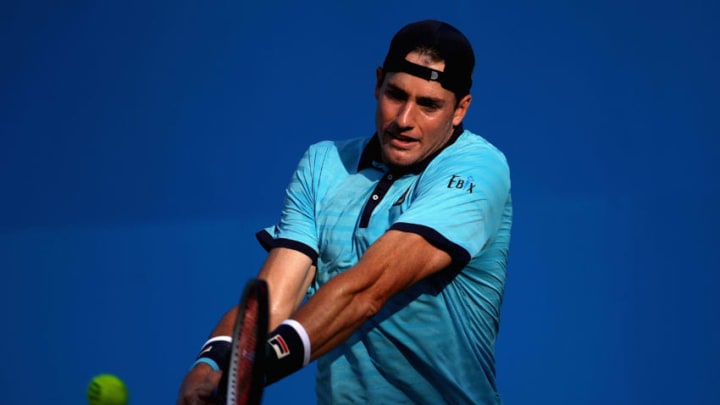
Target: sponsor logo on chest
x,y
458,182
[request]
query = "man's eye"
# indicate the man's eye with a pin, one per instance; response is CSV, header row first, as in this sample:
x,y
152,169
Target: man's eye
x,y
395,94
429,105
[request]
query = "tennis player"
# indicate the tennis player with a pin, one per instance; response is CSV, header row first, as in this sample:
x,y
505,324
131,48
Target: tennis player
x,y
400,242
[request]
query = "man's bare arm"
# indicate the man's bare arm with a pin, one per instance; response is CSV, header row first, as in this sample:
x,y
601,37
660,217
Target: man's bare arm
x,y
394,262
288,274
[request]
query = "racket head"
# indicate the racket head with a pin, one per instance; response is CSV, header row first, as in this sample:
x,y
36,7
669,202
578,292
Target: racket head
x,y
243,382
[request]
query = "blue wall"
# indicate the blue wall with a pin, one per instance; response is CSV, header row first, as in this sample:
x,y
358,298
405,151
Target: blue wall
x,y
143,143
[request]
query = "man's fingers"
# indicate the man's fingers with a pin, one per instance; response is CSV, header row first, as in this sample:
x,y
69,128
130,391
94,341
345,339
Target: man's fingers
x,y
198,388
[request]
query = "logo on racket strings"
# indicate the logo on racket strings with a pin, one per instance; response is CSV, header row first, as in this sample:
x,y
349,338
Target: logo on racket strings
x,y
278,344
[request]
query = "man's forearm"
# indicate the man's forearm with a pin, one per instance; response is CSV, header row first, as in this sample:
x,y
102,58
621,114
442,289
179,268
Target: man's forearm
x,y
333,314
343,304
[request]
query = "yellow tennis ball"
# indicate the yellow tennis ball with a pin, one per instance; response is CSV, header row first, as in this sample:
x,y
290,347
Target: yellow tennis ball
x,y
107,389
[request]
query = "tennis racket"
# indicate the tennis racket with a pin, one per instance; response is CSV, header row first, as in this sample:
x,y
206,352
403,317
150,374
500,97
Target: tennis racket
x,y
243,382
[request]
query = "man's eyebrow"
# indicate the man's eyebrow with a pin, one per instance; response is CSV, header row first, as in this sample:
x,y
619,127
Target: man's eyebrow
x,y
396,88
430,101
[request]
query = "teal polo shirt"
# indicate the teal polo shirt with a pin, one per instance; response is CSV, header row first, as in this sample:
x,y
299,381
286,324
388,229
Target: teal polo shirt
x,y
432,343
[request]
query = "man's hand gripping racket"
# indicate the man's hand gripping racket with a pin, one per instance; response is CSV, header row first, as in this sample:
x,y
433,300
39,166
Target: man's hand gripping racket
x,y
243,382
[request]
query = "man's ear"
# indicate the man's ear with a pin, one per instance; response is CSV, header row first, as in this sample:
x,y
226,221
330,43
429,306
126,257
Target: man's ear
x,y
379,77
461,109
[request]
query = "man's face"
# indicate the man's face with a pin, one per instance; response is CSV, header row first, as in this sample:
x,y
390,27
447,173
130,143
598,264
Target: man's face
x,y
415,117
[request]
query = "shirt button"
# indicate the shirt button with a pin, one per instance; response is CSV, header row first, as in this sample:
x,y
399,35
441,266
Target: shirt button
x,y
375,197
389,176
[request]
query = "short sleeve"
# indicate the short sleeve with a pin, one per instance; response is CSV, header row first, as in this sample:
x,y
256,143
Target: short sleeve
x,y
297,226
459,201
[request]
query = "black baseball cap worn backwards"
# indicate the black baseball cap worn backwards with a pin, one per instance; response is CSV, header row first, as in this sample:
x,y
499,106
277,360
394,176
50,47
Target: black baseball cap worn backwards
x,y
444,39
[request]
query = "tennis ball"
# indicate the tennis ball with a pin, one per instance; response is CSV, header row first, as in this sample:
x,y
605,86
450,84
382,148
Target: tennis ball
x,y
107,389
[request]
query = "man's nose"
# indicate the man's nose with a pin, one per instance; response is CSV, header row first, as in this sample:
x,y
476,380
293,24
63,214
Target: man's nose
x,y
405,115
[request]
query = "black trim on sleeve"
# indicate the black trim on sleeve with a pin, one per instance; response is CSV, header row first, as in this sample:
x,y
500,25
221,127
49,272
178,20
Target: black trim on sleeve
x,y
265,239
460,257
268,243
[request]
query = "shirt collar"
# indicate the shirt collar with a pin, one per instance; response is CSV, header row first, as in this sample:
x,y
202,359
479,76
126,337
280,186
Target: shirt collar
x,y
372,154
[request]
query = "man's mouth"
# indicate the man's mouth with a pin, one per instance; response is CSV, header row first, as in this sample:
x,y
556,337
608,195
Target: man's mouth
x,y
400,140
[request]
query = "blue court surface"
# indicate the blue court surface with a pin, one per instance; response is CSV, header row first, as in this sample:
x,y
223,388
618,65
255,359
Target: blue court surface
x,y
142,144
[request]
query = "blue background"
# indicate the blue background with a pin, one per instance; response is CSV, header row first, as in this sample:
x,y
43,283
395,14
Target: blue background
x,y
143,143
